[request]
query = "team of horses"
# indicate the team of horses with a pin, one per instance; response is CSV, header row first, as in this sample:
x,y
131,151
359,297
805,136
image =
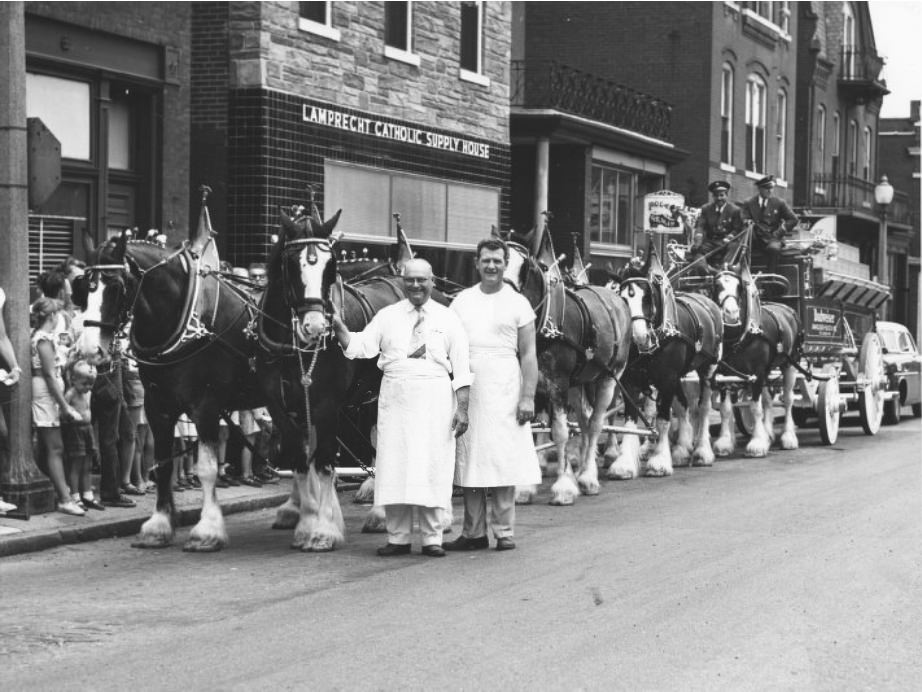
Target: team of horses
x,y
206,346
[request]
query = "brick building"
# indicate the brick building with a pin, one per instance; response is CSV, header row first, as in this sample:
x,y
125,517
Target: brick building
x,y
839,97
725,72
111,82
383,107
898,159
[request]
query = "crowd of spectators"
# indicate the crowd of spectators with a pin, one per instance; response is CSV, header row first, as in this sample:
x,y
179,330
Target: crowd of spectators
x,y
88,413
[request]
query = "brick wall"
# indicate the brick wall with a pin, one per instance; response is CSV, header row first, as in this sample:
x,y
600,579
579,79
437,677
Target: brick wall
x,y
165,24
268,49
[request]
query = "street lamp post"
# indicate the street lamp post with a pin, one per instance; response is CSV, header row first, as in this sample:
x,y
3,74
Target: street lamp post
x,y
883,195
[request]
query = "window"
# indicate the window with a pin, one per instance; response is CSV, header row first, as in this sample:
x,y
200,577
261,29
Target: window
x,y
848,42
317,18
432,210
63,105
611,204
470,36
755,124
867,154
783,19
821,139
763,9
726,115
852,147
781,132
398,32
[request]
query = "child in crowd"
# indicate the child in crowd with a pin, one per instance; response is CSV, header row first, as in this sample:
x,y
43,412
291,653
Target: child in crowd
x,y
79,443
251,423
132,481
183,466
48,403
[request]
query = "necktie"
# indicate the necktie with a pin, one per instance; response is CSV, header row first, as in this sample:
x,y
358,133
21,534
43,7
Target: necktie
x,y
417,347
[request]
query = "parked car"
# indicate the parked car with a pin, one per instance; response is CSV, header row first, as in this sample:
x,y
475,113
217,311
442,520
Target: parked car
x,y
903,365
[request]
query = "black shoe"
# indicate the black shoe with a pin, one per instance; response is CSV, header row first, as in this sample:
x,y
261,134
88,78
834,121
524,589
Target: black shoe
x,y
221,482
392,549
433,551
120,501
93,504
505,543
466,543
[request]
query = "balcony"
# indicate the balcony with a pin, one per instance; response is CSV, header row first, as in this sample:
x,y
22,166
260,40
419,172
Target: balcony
x,y
551,85
858,75
849,192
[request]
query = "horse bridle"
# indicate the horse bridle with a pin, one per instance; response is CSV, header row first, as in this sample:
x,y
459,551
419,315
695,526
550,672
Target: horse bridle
x,y
92,274
728,296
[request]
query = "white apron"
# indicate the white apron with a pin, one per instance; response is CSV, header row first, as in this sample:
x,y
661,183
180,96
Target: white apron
x,y
495,450
416,446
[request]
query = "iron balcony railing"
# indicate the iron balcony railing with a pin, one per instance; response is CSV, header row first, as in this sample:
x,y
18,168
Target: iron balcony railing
x,y
859,65
856,194
550,84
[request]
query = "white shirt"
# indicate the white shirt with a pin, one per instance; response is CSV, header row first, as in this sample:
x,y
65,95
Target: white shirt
x,y
493,320
389,332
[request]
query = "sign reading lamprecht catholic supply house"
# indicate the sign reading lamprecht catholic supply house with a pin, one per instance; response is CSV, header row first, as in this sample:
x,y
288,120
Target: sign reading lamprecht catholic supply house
x,y
399,133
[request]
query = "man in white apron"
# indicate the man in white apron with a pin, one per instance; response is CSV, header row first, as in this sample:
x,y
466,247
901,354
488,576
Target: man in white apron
x,y
497,452
422,350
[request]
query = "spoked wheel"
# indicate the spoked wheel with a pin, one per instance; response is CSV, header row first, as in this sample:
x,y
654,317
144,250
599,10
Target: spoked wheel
x,y
871,397
827,409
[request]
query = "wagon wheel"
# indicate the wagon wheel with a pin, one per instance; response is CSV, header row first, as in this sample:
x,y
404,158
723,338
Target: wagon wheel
x,y
827,409
871,370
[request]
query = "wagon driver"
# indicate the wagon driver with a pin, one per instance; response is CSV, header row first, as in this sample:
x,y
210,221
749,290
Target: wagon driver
x,y
422,350
718,222
497,452
772,220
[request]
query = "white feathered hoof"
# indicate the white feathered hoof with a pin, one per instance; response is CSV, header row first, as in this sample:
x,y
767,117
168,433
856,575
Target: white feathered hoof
x,y
702,456
287,516
588,485
620,472
564,491
525,495
789,440
659,466
156,532
323,539
724,446
680,456
375,522
209,535
757,448
365,495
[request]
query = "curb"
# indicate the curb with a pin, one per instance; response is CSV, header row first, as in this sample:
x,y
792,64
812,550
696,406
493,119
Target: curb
x,y
119,528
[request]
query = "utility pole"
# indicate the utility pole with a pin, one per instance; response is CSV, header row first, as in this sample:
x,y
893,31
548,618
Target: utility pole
x,y
20,481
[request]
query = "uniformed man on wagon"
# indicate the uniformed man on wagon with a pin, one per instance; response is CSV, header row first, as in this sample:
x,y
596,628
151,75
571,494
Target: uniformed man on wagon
x,y
772,220
719,221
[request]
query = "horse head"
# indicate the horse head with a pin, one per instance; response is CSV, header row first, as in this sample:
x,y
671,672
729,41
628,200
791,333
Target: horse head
x,y
103,293
523,272
728,294
637,292
308,269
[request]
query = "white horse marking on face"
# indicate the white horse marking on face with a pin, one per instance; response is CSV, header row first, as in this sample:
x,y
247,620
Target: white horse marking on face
x,y
514,269
634,296
312,261
88,343
728,298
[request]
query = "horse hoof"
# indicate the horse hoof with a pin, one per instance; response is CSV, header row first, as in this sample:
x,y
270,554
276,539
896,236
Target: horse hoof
x,y
319,545
286,518
657,472
702,461
561,502
620,475
589,488
208,545
153,542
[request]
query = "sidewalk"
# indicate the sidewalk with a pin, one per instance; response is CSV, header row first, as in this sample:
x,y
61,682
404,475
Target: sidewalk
x,y
44,531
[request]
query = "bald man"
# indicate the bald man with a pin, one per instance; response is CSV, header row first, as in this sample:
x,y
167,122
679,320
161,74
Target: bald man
x,y
422,349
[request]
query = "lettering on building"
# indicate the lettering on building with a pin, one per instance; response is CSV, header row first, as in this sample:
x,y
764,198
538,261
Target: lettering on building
x,y
371,127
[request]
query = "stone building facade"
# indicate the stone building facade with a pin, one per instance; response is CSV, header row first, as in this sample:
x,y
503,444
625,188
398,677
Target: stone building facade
x,y
368,103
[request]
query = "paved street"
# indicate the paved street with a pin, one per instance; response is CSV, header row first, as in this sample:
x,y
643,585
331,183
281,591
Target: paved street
x,y
799,571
